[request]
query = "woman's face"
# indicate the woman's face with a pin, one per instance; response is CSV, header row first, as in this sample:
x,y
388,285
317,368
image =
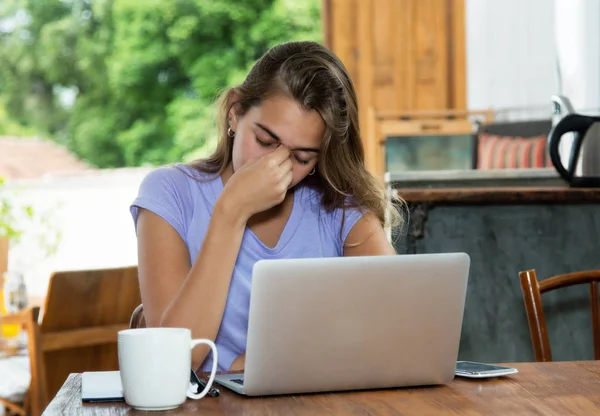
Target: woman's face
x,y
278,121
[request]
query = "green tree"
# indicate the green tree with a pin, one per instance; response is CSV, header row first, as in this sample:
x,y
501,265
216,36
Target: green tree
x,y
129,82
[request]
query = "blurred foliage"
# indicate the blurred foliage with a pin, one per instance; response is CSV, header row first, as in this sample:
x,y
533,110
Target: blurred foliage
x,y
130,82
9,127
20,221
8,215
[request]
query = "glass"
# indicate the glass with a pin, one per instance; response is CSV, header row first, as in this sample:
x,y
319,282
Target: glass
x,y
8,331
13,300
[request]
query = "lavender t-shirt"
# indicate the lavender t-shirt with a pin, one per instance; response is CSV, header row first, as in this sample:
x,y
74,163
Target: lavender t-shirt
x,y
185,198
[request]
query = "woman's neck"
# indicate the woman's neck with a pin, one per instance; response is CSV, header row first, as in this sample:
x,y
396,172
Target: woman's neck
x,y
227,173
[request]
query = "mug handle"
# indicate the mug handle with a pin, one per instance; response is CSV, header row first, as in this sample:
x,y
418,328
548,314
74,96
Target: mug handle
x,y
213,372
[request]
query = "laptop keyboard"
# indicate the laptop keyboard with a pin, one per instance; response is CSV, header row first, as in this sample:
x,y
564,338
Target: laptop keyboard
x,y
238,381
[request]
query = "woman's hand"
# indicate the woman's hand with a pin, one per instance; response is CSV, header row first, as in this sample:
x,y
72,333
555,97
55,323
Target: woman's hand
x,y
259,185
239,363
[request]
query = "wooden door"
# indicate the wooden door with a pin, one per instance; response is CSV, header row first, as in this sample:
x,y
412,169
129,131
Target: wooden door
x,y
402,55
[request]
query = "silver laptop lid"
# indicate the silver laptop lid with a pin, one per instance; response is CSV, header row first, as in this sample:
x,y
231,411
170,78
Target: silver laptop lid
x,y
349,323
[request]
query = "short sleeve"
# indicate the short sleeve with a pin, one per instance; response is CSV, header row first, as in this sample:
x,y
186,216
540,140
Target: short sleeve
x,y
347,218
342,221
166,192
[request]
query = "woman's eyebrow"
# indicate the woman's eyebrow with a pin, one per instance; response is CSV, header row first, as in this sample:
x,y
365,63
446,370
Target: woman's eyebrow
x,y
274,136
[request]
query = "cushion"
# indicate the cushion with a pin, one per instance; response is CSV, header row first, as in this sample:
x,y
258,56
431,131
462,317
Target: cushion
x,y
509,152
15,379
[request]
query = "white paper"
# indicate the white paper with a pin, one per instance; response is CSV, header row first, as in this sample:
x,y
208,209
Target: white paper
x,y
98,385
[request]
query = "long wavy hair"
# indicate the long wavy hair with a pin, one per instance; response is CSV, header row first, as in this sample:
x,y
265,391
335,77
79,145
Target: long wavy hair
x,y
313,76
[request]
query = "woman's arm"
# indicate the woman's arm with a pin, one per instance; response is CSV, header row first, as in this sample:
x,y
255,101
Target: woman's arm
x,y
174,293
367,238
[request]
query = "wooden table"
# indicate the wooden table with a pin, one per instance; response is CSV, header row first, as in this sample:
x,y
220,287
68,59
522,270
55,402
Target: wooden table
x,y
558,388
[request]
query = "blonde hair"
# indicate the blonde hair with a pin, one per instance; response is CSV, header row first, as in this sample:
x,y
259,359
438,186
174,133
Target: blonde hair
x,y
314,77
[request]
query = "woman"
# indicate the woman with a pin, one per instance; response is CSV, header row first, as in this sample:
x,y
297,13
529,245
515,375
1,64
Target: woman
x,y
287,180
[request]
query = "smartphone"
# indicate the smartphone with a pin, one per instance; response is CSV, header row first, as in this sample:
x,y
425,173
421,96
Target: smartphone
x,y
480,370
199,385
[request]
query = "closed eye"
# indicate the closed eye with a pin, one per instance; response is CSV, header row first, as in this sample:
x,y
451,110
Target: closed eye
x,y
267,144
264,144
301,161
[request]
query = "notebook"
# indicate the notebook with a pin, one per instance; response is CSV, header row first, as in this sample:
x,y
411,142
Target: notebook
x,y
101,386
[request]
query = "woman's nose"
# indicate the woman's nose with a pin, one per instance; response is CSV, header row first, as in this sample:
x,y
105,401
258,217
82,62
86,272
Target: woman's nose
x,y
281,144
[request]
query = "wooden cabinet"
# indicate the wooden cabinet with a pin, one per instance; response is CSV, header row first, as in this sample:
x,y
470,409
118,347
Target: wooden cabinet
x,y
403,56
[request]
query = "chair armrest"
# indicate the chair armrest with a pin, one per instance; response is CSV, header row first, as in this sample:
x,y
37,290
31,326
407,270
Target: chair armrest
x,y
23,317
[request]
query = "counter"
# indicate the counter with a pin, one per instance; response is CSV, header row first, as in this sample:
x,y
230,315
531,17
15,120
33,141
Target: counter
x,y
507,222
501,195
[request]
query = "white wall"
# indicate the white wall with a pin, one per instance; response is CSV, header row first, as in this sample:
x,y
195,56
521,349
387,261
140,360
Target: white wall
x,y
514,49
92,214
511,54
577,25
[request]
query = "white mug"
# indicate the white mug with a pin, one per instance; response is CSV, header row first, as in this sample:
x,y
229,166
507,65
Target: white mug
x,y
155,366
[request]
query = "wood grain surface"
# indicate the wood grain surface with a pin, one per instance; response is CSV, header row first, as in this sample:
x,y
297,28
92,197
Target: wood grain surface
x,y
499,195
554,388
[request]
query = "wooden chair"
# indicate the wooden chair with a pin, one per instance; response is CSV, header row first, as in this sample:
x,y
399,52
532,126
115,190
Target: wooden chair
x,y
532,291
83,312
36,399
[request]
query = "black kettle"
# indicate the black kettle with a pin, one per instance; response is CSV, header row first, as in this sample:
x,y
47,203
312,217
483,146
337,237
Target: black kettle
x,y
583,168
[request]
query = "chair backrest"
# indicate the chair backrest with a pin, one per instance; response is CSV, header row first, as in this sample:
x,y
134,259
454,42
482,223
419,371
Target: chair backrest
x,y
83,313
532,290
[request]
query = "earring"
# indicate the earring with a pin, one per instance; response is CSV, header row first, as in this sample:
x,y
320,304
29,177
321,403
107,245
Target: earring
x,y
312,172
230,133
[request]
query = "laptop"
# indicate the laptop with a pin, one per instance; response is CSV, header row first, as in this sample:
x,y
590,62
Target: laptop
x,y
352,323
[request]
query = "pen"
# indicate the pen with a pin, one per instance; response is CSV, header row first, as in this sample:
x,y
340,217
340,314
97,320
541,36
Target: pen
x,y
194,379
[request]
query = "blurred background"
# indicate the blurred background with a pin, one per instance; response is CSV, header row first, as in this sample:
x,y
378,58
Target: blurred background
x,y
95,93
129,83
458,100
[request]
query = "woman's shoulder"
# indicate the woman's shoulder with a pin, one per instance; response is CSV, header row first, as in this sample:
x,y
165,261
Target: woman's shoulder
x,y
180,178
172,192
180,183
178,172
